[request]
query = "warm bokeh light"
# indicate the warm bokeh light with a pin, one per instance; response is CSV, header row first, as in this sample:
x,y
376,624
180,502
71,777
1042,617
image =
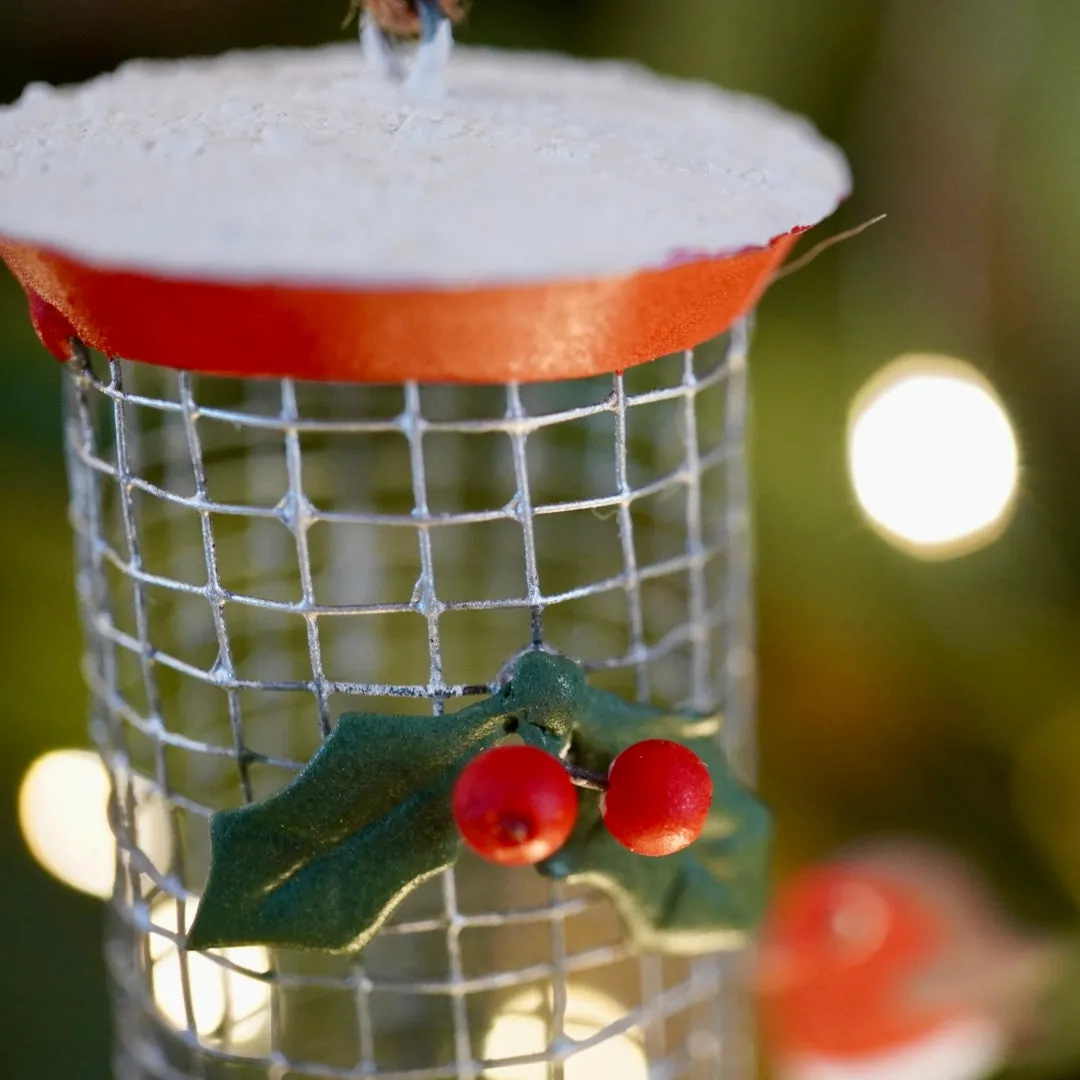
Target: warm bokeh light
x,y
225,1003
63,813
521,1028
933,457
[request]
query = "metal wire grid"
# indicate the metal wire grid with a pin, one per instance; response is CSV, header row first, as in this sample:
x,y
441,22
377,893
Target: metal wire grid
x,y
206,696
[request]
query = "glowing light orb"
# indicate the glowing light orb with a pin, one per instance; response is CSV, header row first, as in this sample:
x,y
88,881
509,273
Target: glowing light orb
x,y
933,457
63,814
228,1000
522,1028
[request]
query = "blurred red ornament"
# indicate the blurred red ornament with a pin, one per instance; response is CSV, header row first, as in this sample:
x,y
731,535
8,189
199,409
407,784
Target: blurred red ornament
x,y
895,962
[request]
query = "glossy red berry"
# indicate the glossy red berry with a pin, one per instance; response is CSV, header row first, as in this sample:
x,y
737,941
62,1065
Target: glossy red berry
x,y
515,805
658,797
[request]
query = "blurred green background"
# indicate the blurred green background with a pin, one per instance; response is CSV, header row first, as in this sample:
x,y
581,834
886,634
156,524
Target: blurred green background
x,y
896,694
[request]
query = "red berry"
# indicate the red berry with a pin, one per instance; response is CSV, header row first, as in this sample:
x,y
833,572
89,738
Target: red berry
x,y
515,805
658,797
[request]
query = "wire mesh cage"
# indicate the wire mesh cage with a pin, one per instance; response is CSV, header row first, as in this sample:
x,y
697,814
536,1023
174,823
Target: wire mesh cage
x,y
257,556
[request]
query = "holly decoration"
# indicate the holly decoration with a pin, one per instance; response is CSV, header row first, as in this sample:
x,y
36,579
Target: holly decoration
x,y
515,805
706,898
658,797
323,863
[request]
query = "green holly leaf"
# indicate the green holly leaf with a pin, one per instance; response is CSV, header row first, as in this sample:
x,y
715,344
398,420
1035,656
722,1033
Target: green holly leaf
x,y
324,862
607,724
707,898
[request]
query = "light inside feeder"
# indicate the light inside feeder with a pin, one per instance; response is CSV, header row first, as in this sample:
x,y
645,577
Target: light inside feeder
x,y
522,1029
226,1000
933,457
63,813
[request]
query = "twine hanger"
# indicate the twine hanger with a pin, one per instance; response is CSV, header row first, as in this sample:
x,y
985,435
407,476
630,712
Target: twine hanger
x,y
430,20
405,18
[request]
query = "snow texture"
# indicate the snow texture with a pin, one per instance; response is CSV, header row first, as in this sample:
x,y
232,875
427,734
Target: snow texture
x,y
307,166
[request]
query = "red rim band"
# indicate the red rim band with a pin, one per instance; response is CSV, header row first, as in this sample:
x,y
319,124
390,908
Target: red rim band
x,y
521,333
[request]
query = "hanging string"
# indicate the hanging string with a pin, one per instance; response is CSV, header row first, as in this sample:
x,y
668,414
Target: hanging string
x,y
803,261
407,18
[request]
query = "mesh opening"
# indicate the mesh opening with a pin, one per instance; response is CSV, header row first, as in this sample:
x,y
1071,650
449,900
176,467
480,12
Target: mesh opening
x,y
258,557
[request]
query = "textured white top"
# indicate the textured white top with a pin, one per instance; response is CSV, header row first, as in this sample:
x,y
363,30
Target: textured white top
x,y
307,166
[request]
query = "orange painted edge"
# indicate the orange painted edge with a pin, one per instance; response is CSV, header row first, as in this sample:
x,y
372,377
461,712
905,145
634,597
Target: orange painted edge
x,y
513,333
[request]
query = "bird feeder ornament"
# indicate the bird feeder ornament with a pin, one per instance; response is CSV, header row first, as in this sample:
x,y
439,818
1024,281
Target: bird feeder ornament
x,y
895,958
406,406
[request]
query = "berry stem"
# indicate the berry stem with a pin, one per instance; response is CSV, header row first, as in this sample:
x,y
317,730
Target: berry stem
x,y
583,778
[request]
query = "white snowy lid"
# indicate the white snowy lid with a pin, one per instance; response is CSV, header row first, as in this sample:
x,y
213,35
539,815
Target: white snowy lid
x,y
308,167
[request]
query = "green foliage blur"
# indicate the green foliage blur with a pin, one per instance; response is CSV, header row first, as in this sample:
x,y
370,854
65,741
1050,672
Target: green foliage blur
x,y
896,694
